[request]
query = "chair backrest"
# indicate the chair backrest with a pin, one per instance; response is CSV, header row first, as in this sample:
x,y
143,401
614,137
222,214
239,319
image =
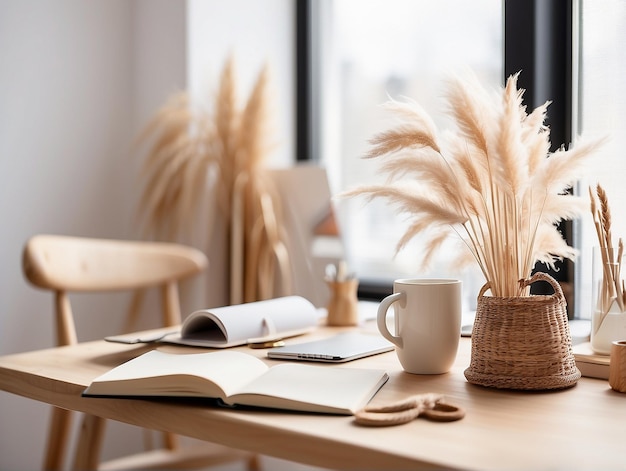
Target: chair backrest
x,y
66,264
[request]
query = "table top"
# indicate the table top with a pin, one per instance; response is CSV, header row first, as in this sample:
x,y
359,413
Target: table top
x,y
583,427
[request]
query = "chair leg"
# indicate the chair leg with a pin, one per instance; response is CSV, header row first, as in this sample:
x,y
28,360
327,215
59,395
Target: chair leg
x,y
90,443
170,441
254,464
58,433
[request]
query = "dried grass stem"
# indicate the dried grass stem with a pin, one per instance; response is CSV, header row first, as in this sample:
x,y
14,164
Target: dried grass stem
x,y
494,183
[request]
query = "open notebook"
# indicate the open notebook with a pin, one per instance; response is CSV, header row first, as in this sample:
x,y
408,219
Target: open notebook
x,y
236,378
336,349
229,326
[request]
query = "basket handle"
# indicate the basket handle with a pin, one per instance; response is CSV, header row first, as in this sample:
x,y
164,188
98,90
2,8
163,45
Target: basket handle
x,y
484,289
538,276
541,276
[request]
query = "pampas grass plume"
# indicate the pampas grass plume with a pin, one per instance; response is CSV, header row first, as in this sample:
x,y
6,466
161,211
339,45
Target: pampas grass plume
x,y
493,181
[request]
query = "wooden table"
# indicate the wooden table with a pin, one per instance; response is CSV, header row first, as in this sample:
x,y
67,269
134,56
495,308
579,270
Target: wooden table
x,y
583,427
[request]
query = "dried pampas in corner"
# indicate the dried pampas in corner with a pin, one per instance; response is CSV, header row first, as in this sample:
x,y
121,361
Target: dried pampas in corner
x,y
226,149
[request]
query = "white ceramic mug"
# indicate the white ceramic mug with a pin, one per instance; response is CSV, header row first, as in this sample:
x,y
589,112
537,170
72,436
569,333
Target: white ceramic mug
x,y
427,323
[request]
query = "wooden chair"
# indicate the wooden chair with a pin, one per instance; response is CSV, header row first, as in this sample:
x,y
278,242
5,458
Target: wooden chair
x,y
65,264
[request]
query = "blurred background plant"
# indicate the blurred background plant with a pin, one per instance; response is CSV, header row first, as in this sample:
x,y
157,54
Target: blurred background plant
x,y
223,149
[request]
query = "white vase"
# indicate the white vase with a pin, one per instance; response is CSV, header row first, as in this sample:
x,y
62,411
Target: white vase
x,y
608,319
612,328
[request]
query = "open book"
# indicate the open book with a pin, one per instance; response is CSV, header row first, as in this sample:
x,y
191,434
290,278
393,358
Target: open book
x,y
239,324
238,378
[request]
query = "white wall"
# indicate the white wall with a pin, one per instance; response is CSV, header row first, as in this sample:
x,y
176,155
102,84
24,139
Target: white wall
x,y
77,82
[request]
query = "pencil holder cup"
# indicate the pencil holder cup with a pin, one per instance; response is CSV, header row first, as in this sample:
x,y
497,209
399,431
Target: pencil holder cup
x,y
608,313
617,367
343,303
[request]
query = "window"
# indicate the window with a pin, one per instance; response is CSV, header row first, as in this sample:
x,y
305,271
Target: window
x,y
602,111
365,51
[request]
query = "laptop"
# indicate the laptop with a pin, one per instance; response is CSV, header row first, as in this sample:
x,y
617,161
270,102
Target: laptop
x,y
339,348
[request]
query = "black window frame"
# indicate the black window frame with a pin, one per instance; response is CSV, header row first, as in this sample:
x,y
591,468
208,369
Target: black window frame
x,y
538,38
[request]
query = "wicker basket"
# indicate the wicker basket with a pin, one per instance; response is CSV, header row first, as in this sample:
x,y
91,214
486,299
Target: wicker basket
x,y
522,342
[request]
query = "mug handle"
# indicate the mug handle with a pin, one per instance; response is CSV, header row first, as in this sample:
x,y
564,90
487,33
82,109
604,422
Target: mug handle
x,y
381,317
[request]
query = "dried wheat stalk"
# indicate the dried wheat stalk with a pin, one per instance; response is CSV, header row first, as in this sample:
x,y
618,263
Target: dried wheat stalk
x,y
192,148
266,261
494,182
175,166
612,288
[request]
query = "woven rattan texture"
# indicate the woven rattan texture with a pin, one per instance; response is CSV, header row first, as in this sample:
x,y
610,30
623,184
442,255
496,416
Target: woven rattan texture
x,y
522,342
